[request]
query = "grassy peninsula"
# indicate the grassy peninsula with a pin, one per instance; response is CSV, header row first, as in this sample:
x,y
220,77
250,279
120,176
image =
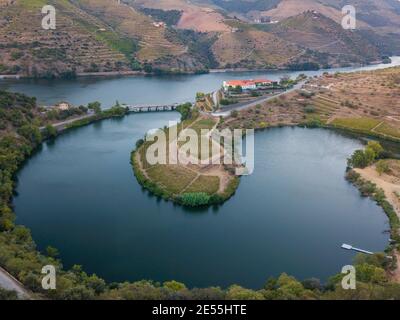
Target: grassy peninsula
x,y
186,184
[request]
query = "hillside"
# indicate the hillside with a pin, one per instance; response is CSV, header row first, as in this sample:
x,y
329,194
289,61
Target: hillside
x,y
315,31
189,36
364,102
91,36
77,45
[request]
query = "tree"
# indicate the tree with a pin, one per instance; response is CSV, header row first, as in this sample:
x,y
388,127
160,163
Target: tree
x,y
95,283
31,133
376,147
79,292
369,273
174,285
51,132
382,167
95,106
309,109
238,89
200,96
52,252
359,159
8,295
369,155
185,110
237,292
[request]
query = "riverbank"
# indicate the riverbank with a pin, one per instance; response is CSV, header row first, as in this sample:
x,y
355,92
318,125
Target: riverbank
x,y
370,185
389,183
133,73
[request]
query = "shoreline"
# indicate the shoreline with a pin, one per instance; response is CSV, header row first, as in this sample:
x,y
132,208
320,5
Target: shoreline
x,y
383,193
132,73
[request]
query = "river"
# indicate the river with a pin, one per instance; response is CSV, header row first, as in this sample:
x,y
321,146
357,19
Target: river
x,y
144,89
78,194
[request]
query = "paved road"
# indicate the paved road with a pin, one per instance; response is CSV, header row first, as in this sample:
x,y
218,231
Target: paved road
x,y
225,111
61,125
8,282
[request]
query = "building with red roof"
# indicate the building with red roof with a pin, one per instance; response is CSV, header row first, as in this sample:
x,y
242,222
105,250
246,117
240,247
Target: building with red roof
x,y
247,84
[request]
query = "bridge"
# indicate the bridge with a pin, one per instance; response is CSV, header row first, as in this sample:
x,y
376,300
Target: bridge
x,y
151,108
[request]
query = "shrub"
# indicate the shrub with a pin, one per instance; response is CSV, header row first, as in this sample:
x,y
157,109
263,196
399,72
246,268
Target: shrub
x,y
309,109
50,131
382,167
226,102
185,110
234,114
314,123
195,199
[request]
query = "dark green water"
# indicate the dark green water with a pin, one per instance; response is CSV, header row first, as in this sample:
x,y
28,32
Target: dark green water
x,y
292,215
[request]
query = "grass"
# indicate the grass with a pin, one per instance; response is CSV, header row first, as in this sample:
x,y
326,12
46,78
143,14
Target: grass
x,y
203,124
362,124
206,184
388,130
173,178
33,4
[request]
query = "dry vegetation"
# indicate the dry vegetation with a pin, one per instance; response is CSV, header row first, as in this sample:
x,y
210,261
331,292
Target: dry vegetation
x,y
366,102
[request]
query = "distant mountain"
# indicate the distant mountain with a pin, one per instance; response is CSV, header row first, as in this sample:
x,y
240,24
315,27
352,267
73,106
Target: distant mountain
x,y
317,32
191,36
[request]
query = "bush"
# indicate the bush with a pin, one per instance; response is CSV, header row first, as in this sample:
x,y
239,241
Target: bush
x,y
234,114
50,131
309,109
185,110
363,158
382,167
195,199
314,123
226,102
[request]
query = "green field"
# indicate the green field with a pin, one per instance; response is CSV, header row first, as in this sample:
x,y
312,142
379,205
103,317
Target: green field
x,y
173,178
388,130
207,184
360,124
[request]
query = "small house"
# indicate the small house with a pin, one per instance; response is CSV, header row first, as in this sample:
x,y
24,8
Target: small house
x,y
63,106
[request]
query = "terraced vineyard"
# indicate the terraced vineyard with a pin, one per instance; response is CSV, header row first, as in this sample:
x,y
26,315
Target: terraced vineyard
x,y
325,107
80,43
